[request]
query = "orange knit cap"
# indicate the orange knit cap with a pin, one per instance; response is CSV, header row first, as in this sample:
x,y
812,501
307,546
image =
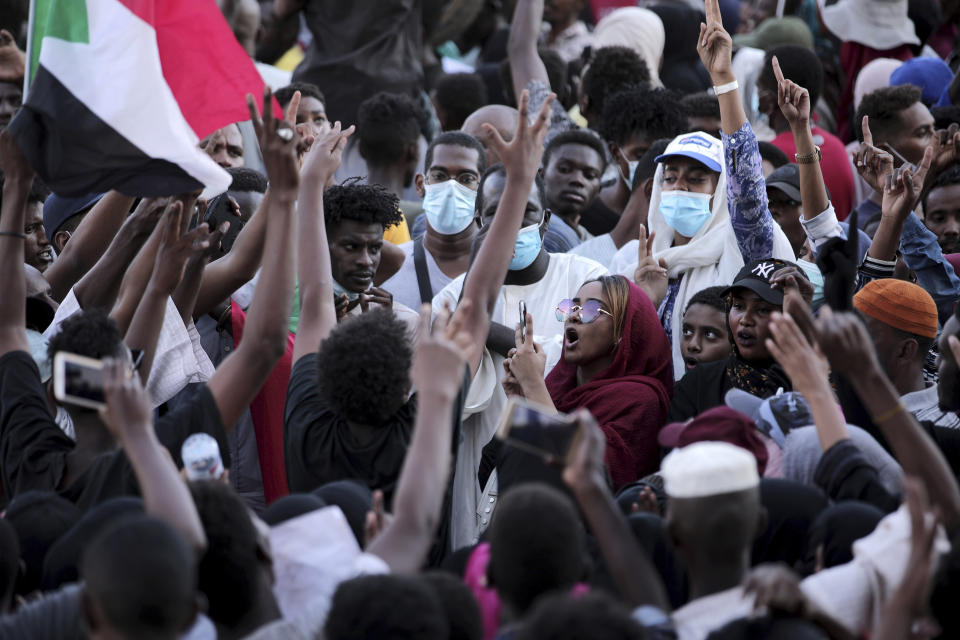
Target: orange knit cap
x,y
899,304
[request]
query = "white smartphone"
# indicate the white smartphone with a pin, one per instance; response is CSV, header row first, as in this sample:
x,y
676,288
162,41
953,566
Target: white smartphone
x,y
78,380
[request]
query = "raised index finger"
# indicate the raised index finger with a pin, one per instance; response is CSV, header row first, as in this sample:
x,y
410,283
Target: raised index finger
x,y
867,135
712,11
291,115
642,249
777,72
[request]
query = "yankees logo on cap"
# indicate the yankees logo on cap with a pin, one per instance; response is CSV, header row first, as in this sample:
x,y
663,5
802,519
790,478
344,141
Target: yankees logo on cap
x,y
756,277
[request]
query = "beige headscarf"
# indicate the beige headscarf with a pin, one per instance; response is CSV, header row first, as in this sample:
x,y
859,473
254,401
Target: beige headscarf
x,y
637,29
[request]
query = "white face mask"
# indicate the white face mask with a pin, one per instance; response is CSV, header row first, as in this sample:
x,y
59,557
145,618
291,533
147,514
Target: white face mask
x,y
631,169
449,206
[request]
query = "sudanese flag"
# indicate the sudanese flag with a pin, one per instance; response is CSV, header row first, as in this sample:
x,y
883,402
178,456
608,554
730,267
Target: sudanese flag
x,y
119,93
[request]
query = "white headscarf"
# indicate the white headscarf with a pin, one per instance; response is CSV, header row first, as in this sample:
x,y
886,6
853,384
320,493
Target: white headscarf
x,y
637,29
711,258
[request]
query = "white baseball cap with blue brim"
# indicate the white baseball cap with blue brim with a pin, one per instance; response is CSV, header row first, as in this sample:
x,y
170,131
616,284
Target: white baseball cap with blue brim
x,y
700,146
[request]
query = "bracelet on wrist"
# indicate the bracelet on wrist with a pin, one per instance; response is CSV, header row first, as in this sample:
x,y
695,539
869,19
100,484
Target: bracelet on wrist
x,y
808,158
719,90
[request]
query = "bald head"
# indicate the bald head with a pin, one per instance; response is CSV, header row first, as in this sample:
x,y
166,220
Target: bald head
x,y
503,119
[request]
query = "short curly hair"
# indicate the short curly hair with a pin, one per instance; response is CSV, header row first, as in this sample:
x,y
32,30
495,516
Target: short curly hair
x,y
385,606
364,203
387,123
459,95
91,333
612,70
594,615
884,107
363,367
656,113
583,137
307,90
701,105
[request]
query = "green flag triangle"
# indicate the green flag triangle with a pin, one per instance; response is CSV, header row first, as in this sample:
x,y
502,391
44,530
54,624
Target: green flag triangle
x,y
61,19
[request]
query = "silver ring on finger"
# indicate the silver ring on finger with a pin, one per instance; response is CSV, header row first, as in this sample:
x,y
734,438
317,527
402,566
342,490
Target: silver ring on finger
x,y
285,134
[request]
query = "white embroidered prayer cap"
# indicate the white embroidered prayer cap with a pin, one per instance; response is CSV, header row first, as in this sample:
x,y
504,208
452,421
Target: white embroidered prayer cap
x,y
707,469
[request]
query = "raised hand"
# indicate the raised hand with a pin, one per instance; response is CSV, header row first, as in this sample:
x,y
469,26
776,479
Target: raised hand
x,y
442,350
12,60
901,191
176,248
651,274
803,362
528,361
873,164
945,146
128,411
521,156
794,282
278,145
793,99
844,338
715,45
511,386
323,160
304,129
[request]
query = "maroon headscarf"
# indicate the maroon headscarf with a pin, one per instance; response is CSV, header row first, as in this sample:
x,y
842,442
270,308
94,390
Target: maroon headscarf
x,y
631,398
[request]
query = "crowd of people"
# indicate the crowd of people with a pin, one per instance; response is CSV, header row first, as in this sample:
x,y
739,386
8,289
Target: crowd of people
x,y
714,244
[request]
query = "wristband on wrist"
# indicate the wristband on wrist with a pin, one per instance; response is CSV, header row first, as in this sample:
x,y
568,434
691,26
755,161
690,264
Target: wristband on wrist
x,y
726,88
808,158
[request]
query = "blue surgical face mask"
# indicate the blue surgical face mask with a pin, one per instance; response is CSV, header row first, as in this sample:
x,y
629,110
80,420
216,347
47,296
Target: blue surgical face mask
x,y
813,272
686,212
449,206
527,248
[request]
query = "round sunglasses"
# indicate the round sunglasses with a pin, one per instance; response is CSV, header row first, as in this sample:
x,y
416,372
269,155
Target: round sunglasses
x,y
590,310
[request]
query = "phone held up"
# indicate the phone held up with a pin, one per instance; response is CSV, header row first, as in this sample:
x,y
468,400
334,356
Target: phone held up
x,y
79,380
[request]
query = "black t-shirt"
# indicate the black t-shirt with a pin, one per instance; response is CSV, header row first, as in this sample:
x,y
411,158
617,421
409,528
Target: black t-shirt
x,y
701,388
34,450
320,448
598,218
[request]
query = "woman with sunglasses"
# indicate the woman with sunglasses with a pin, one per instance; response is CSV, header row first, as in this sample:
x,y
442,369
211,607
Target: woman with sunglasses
x,y
615,362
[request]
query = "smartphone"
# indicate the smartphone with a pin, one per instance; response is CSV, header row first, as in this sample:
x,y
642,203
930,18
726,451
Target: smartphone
x,y
78,380
537,430
523,321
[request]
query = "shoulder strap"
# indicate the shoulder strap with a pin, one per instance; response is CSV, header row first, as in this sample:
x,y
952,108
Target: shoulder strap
x,y
423,274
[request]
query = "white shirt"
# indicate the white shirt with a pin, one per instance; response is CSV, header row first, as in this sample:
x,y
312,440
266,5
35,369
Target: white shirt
x,y
403,284
564,276
179,359
696,619
601,248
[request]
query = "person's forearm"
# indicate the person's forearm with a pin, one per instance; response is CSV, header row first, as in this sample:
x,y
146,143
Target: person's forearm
x,y
224,276
88,243
99,287
145,327
269,313
732,115
913,448
418,501
831,427
165,494
525,62
886,240
13,293
185,297
135,280
813,193
318,315
628,564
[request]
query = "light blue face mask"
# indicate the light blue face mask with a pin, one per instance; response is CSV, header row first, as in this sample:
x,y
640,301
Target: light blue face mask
x,y
527,248
449,206
816,278
686,212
